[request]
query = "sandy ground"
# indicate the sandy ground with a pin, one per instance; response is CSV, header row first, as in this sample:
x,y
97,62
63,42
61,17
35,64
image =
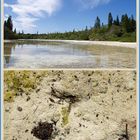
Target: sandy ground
x,y
85,105
83,42
104,43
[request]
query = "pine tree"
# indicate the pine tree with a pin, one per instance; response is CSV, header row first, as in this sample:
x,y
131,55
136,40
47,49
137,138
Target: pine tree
x,y
125,23
15,31
110,20
86,29
9,23
97,23
102,24
117,21
5,23
132,24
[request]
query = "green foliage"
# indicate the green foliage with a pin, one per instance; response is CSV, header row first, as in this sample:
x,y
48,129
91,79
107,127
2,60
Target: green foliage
x,y
17,82
128,24
8,34
125,23
9,96
98,34
115,33
65,116
132,24
131,37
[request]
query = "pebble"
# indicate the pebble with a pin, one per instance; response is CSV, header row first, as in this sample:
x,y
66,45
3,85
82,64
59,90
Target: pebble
x,y
19,109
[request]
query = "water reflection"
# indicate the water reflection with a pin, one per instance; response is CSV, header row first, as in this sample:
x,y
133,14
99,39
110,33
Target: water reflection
x,y
9,47
41,54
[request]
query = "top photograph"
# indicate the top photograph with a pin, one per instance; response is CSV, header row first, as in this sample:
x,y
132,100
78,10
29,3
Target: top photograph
x,y
70,34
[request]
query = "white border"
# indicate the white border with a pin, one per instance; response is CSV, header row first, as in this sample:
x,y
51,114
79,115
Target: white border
x,y
2,13
2,67
137,68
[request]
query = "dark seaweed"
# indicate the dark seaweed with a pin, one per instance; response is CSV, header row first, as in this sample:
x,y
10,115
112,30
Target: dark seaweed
x,y
43,131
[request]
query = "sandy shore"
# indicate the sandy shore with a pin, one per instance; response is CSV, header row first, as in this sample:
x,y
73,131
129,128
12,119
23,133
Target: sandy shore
x,y
83,42
104,43
80,105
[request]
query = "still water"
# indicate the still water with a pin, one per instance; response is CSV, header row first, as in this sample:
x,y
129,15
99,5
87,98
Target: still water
x,y
32,54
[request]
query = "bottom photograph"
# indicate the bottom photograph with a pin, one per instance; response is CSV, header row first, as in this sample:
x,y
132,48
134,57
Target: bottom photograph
x,y
70,105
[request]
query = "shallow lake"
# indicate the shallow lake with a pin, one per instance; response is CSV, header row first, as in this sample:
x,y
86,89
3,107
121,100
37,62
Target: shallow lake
x,y
32,54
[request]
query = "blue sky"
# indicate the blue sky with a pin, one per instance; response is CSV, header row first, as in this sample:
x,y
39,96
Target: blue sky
x,y
63,15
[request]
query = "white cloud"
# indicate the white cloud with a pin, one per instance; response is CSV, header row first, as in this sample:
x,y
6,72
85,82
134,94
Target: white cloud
x,y
92,3
29,11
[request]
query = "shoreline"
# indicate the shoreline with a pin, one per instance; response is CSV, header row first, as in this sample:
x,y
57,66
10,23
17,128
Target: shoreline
x,y
85,42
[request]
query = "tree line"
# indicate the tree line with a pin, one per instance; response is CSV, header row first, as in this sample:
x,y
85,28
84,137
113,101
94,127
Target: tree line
x,y
128,24
9,33
117,29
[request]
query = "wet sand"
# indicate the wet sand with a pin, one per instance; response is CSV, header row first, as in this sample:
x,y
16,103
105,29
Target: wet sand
x,y
80,105
104,43
83,42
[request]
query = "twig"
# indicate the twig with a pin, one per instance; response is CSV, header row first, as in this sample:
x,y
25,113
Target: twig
x,y
126,130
